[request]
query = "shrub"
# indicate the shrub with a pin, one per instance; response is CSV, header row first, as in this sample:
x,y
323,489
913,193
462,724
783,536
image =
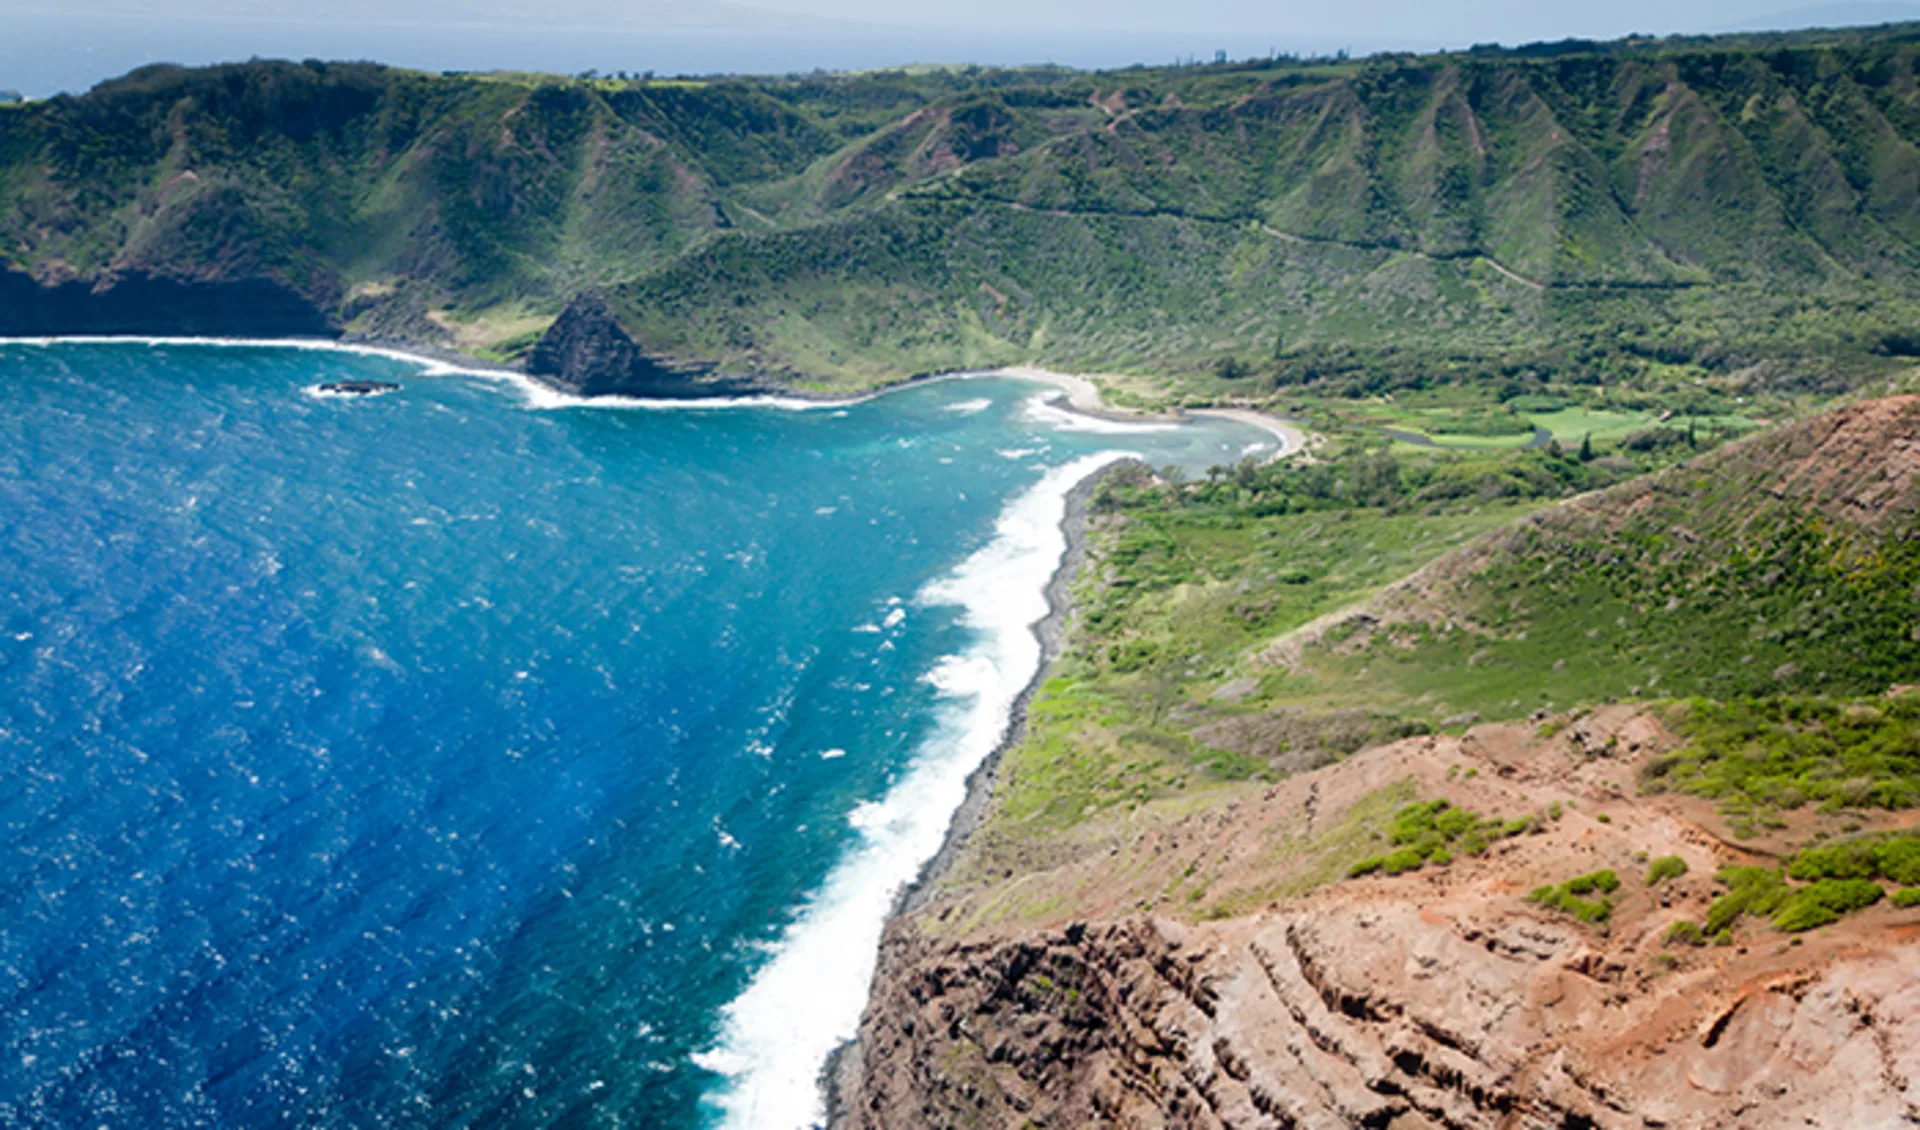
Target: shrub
x,y
1666,867
1604,881
1907,898
1785,751
1685,933
1855,859
1825,902
1896,858
1566,899
1753,890
1431,832
1402,860
1899,860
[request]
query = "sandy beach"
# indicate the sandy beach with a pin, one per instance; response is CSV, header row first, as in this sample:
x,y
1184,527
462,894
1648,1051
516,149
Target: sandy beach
x,y
1083,395
1294,439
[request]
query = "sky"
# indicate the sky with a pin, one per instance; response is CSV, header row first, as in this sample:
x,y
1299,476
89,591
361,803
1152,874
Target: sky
x,y
48,46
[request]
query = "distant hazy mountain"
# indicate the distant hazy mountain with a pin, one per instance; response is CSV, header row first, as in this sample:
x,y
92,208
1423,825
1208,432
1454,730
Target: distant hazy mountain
x,y
1831,15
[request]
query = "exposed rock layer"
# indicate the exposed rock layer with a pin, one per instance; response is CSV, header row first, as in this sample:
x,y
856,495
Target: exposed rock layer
x,y
1436,999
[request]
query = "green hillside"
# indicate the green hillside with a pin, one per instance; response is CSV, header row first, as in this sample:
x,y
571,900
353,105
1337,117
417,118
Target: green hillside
x,y
1644,211
1783,563
1762,596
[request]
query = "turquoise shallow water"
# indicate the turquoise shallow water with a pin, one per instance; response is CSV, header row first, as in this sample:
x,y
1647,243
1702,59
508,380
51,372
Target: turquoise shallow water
x,y
437,759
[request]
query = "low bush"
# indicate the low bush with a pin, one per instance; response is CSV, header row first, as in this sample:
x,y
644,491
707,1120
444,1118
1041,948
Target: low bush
x,y
1826,902
1752,890
1895,858
1666,867
1686,933
1567,897
1433,832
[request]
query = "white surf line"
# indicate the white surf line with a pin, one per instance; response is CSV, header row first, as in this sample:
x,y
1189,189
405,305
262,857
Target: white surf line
x,y
432,366
1054,411
1292,439
537,394
805,1002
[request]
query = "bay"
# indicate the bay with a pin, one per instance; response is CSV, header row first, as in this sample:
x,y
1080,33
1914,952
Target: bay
x,y
462,756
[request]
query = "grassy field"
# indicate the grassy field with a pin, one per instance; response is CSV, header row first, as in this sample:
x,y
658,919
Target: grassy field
x,y
1166,616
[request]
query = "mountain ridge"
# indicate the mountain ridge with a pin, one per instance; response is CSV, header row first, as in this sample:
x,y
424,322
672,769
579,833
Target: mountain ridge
x,y
1465,204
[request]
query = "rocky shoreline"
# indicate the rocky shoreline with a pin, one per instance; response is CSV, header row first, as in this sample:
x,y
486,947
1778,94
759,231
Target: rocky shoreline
x,y
842,1071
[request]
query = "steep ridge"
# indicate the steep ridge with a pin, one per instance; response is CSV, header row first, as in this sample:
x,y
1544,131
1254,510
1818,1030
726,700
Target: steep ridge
x,y
1782,562
1271,955
842,230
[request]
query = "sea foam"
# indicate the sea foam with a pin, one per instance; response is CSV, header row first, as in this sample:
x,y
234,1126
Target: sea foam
x,y
1049,408
807,1000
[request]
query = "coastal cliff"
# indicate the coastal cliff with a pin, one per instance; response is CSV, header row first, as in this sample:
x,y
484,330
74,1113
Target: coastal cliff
x,y
141,303
1439,999
1620,915
1616,214
587,352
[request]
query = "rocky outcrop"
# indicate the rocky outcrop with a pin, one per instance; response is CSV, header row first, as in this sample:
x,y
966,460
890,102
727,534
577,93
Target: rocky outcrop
x,y
142,303
1362,1014
1436,999
588,353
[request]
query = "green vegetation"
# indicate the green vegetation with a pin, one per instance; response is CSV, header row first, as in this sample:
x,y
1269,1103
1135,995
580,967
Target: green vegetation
x,y
1758,891
1736,573
1687,582
1434,832
1824,902
1685,933
1834,881
1907,898
1894,857
1154,700
1495,244
1121,723
1571,898
1665,867
1787,751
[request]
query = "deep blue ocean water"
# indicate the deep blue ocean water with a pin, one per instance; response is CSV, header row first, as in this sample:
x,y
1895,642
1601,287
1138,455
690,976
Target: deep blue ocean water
x,y
457,757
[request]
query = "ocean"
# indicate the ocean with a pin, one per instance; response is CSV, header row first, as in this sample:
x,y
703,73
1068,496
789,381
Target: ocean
x,y
473,756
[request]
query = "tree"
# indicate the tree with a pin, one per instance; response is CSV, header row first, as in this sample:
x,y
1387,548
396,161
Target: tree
x,y
1586,448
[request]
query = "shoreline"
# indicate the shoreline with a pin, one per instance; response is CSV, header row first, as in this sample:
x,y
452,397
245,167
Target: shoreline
x,y
844,1064
1051,630
1083,394
1293,438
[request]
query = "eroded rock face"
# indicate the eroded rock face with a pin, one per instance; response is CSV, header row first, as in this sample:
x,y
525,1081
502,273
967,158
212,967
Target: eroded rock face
x,y
1441,998
588,353
138,303
1361,1015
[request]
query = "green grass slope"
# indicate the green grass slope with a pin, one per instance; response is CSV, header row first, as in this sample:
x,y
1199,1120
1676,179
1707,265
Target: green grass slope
x,y
1785,563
